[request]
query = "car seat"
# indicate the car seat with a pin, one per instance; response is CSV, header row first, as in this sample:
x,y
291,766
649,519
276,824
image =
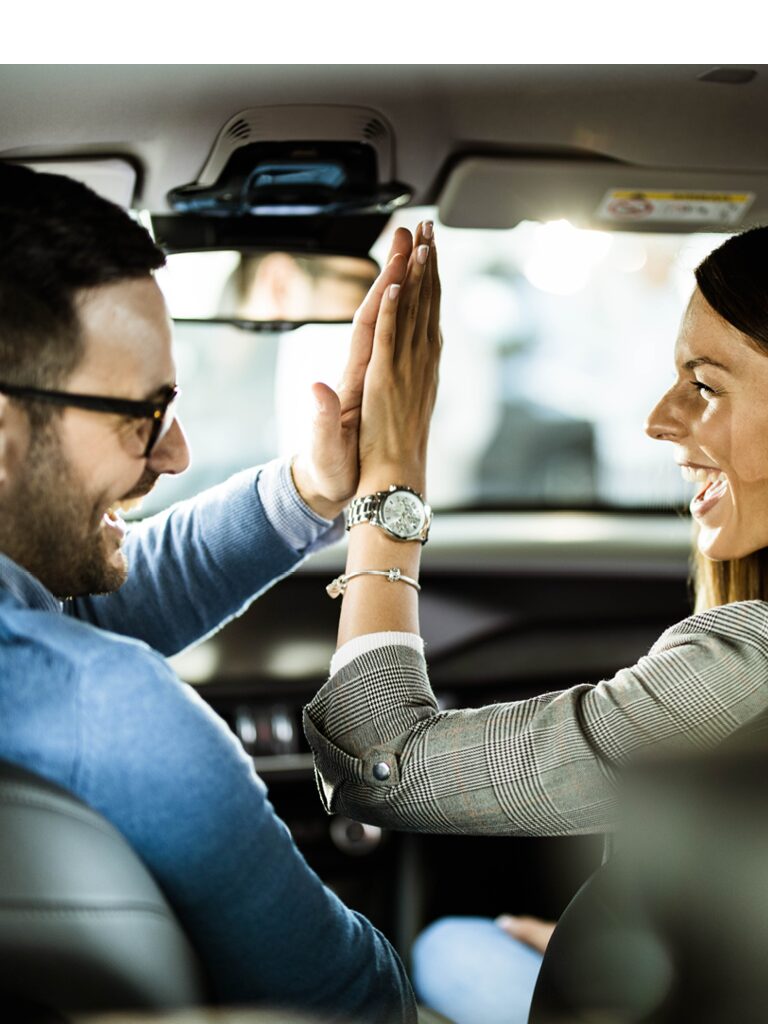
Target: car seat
x,y
674,927
83,926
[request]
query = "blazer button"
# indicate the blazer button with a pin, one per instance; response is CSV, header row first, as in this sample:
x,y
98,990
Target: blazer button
x,y
381,771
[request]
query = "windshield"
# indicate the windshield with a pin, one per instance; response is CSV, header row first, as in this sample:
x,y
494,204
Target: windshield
x,y
558,342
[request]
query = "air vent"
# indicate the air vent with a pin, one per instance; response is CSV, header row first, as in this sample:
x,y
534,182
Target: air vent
x,y
239,130
374,129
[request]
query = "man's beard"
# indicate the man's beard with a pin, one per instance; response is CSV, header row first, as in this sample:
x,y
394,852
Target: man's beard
x,y
47,526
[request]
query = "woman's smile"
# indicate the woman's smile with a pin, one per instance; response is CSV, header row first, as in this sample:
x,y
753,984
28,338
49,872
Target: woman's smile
x,y
705,502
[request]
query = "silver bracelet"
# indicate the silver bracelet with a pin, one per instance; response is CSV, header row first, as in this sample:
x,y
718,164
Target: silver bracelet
x,y
338,586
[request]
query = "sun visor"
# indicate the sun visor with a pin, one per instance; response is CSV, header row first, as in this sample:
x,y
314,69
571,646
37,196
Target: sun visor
x,y
112,177
499,192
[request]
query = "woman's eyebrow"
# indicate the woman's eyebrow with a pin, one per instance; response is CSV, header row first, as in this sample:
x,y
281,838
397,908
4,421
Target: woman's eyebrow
x,y
704,361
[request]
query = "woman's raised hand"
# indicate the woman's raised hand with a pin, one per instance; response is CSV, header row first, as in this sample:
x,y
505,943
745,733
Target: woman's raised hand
x,y
401,379
397,401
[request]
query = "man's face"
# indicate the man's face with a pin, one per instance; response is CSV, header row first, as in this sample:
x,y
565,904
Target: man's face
x,y
58,507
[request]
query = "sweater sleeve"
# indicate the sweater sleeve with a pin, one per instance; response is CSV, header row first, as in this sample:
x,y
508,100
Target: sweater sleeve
x,y
385,754
167,772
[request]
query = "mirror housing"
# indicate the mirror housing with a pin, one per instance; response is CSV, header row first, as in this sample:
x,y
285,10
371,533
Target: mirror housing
x,y
298,238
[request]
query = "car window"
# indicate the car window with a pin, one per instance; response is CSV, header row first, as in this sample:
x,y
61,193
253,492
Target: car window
x,y
558,342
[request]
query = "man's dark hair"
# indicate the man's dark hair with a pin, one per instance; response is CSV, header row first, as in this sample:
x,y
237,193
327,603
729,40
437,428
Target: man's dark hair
x,y
734,281
57,237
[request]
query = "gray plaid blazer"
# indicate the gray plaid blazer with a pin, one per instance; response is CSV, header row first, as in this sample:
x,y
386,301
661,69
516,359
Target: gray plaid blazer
x,y
385,754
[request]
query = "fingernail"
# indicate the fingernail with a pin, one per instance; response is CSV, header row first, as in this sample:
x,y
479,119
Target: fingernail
x,y
427,228
394,290
421,254
506,921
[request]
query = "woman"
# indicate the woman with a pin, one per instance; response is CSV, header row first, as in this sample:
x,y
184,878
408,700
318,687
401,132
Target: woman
x,y
548,765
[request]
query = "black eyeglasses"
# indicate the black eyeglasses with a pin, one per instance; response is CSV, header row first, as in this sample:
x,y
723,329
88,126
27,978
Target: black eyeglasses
x,y
160,413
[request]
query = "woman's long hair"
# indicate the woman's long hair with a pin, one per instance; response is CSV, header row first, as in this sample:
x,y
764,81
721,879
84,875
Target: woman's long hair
x,y
734,281
739,579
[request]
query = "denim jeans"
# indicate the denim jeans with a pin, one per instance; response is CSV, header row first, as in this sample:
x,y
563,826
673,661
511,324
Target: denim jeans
x,y
471,971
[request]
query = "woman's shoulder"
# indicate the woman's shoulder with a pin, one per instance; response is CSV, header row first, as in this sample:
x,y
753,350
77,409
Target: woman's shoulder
x,y
739,622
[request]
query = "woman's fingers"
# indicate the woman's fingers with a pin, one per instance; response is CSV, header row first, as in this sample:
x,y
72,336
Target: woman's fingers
x,y
435,294
424,306
434,333
408,310
427,326
388,342
400,383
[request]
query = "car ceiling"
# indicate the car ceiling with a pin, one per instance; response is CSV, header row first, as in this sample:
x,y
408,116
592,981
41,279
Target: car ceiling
x,y
167,116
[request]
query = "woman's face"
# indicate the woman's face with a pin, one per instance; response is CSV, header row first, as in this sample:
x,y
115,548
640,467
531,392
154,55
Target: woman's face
x,y
716,416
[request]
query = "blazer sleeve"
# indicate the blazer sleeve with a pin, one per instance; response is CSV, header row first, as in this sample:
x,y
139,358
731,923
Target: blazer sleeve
x,y
385,754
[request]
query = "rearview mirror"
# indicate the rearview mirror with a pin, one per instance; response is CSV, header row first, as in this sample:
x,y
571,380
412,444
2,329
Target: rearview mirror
x,y
265,290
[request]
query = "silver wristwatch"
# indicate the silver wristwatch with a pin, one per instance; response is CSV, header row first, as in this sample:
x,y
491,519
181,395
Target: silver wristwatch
x,y
400,512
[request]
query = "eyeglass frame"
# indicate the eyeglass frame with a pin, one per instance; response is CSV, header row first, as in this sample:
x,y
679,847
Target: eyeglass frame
x,y
156,411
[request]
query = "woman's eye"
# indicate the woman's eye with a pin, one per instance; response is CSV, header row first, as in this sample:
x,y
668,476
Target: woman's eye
x,y
703,389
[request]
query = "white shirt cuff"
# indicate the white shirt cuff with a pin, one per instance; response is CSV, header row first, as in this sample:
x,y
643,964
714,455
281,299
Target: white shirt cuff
x,y
369,642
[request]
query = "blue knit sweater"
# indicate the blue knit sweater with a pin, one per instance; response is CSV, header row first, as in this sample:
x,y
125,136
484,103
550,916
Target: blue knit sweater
x,y
87,701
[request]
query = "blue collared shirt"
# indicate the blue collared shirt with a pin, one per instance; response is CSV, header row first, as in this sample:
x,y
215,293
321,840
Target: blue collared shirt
x,y
87,701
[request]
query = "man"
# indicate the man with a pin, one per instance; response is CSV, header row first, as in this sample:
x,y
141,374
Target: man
x,y
87,386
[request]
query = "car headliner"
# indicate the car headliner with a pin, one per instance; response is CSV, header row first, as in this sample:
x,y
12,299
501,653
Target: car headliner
x,y
167,116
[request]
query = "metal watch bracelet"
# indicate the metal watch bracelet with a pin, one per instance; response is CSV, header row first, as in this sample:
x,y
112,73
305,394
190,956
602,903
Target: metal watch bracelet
x,y
370,509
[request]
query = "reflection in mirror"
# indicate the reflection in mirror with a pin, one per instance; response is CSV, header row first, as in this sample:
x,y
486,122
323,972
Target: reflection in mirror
x,y
265,287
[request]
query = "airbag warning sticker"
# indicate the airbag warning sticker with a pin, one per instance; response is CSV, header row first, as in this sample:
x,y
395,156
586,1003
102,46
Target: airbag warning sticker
x,y
633,205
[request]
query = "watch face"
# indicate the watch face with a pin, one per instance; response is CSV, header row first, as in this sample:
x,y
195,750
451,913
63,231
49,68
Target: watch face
x,y
403,514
